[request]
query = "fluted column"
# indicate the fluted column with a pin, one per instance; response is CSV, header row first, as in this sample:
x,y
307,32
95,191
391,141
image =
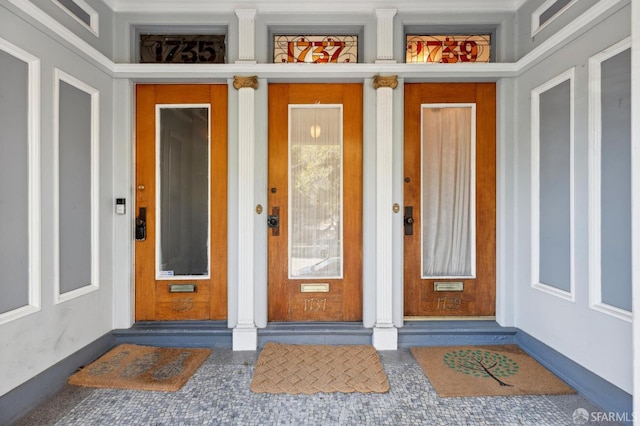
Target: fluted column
x,y
385,335
245,333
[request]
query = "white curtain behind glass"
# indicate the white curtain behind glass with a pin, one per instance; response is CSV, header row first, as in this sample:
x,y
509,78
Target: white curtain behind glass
x,y
315,192
446,191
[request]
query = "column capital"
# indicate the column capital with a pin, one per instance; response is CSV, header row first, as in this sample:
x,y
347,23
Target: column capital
x,y
388,81
240,82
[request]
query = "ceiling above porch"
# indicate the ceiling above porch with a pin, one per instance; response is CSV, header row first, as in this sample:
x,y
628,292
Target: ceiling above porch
x,y
306,6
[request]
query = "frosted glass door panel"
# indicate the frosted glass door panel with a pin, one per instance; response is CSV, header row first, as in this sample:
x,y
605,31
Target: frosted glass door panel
x,y
448,196
183,191
315,191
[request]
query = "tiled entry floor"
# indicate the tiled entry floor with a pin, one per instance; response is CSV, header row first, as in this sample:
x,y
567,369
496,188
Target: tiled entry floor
x,y
218,394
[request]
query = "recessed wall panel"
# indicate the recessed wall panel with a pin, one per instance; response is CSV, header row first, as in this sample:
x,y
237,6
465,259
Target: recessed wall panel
x,y
14,183
74,187
615,175
555,187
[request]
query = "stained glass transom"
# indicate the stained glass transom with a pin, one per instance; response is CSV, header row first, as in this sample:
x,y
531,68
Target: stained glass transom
x,y
448,49
317,49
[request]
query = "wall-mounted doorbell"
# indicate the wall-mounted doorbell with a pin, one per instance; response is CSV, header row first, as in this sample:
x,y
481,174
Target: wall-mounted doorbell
x,y
121,205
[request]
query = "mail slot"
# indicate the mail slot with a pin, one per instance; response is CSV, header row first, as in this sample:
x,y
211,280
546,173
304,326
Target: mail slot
x,y
314,288
448,286
182,288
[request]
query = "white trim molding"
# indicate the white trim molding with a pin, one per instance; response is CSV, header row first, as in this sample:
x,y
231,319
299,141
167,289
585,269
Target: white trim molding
x,y
94,285
568,75
94,18
595,175
34,190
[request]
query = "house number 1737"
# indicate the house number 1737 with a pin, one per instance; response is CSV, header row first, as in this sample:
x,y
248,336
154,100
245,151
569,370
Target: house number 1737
x,y
315,304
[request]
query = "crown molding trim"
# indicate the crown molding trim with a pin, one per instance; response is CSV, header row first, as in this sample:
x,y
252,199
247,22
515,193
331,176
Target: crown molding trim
x,y
289,72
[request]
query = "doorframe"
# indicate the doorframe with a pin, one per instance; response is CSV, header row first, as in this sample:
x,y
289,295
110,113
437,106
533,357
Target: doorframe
x,y
123,271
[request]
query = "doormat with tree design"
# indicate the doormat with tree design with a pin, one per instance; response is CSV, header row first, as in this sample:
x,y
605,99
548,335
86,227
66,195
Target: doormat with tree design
x,y
141,368
456,371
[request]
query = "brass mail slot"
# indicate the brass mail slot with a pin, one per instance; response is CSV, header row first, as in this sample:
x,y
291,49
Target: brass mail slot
x,y
314,288
448,286
182,288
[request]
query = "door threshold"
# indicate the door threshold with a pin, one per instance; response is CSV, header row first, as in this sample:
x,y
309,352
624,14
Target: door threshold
x,y
450,318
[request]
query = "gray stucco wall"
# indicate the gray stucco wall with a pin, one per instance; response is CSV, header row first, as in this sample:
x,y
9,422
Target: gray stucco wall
x,y
57,330
598,341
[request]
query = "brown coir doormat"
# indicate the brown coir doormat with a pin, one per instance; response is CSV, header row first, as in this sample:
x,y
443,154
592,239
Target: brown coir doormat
x,y
486,371
141,368
308,369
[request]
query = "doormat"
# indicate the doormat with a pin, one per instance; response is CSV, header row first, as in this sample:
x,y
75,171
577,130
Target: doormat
x,y
141,368
309,369
486,371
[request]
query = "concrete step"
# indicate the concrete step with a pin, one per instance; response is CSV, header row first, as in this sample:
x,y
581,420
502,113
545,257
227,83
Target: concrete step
x,y
312,333
454,333
185,334
413,333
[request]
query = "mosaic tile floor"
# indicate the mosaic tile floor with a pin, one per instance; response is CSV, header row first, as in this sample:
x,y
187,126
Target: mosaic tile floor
x,y
218,394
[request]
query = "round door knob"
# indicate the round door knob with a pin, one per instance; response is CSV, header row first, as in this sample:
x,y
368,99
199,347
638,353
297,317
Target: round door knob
x,y
140,187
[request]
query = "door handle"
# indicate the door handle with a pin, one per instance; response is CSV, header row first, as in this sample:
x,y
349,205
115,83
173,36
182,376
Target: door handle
x,y
273,221
141,224
408,220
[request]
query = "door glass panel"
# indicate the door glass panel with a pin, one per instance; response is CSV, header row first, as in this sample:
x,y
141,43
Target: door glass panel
x,y
448,190
315,191
183,191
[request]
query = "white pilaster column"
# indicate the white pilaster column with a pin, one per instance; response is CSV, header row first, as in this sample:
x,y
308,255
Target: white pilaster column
x,y
245,333
385,335
385,35
246,35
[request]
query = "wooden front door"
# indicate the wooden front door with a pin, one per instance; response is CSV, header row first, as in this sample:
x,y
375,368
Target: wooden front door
x,y
315,202
181,199
450,199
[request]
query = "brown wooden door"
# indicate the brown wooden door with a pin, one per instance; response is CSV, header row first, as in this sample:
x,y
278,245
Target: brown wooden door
x,y
315,189
449,260
181,198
